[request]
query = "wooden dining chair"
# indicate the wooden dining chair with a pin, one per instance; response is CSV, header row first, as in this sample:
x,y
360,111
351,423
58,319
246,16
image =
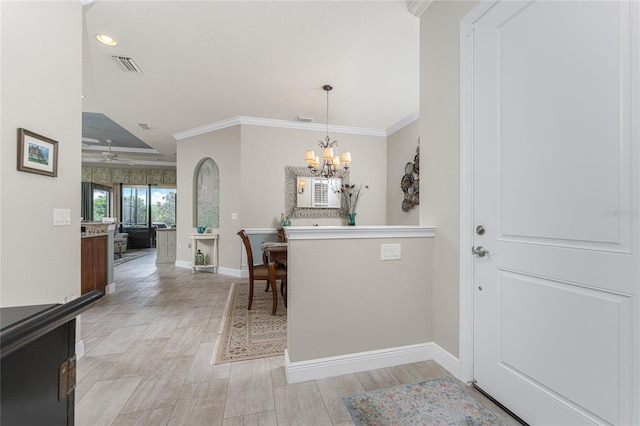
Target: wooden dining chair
x,y
261,272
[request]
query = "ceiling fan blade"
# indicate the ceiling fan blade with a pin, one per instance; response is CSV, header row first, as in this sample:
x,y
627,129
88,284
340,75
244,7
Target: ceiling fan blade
x,y
119,160
128,161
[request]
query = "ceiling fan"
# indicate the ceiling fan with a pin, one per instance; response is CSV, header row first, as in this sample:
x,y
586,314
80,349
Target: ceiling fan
x,y
111,157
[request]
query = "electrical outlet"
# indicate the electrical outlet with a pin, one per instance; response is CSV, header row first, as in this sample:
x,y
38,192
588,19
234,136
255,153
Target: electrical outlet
x,y
390,252
189,245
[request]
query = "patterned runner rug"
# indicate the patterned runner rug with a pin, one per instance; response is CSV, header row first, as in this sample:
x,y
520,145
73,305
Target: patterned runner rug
x,y
432,402
250,334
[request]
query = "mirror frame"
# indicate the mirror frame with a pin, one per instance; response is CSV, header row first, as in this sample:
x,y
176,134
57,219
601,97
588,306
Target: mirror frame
x,y
291,174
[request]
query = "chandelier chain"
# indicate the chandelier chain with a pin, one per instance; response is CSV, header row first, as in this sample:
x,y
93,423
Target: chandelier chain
x,y
330,162
328,113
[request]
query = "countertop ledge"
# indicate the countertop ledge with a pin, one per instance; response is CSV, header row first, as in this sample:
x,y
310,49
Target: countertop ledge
x,y
349,232
99,234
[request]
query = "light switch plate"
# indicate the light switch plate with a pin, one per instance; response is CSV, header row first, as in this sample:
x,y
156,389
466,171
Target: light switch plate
x,y
61,217
390,252
234,216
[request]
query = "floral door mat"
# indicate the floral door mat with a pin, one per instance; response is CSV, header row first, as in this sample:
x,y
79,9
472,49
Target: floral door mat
x,y
432,402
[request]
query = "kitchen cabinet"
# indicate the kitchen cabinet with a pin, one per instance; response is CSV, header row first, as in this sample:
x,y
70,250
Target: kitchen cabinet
x,y
93,264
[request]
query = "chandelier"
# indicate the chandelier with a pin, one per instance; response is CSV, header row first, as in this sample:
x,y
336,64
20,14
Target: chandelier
x,y
330,162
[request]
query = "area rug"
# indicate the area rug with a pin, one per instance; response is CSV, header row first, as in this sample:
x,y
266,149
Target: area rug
x,y
250,334
130,255
432,402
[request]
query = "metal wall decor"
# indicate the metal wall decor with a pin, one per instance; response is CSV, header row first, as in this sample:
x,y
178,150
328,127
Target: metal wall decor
x,y
410,182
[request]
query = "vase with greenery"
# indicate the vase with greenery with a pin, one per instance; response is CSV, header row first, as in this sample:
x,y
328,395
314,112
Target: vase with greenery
x,y
350,198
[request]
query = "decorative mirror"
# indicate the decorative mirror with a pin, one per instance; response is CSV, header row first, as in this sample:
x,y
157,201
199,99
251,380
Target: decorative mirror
x,y
318,192
299,188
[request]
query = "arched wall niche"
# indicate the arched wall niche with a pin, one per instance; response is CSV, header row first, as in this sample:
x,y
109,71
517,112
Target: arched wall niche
x,y
206,187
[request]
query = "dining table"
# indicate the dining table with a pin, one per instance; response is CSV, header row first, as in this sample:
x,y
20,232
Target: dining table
x,y
274,253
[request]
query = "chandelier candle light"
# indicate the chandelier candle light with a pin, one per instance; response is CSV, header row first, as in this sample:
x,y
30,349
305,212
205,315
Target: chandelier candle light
x,y
330,162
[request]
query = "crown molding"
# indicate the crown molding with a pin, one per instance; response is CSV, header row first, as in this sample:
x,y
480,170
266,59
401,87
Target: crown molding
x,y
99,148
311,126
267,122
418,7
284,124
155,163
230,122
404,122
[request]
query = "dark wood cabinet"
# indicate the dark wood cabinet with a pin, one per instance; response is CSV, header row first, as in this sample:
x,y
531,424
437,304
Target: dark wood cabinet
x,y
93,265
37,357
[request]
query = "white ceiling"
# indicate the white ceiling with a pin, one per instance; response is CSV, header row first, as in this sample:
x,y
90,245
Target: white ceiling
x,y
208,61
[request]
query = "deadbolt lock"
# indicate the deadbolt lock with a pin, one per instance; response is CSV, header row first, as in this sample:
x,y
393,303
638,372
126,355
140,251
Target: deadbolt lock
x,y
480,230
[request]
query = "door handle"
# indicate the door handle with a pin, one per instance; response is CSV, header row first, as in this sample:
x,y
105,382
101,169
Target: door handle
x,y
479,251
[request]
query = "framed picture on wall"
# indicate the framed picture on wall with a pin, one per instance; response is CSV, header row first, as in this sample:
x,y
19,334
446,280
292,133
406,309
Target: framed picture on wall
x,y
37,153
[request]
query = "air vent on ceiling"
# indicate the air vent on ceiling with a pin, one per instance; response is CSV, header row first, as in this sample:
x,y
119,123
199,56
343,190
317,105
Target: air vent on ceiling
x,y
143,126
127,64
305,119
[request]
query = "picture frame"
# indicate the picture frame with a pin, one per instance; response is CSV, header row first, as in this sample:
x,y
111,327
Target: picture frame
x,y
37,154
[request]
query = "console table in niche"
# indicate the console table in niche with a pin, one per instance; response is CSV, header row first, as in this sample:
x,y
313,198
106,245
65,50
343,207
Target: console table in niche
x,y
208,242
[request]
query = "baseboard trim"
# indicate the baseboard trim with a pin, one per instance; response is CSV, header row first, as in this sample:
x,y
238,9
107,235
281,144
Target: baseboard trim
x,y
79,349
110,288
183,264
447,361
321,368
232,272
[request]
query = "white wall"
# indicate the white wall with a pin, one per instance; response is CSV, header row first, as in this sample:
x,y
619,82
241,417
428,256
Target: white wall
x,y
267,150
41,83
252,160
440,158
367,304
401,149
223,146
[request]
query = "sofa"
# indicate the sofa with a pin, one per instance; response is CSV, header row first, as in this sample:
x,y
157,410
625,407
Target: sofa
x,y
122,238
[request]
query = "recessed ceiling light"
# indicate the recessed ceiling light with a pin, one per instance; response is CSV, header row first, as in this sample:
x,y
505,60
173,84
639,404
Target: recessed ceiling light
x,y
105,39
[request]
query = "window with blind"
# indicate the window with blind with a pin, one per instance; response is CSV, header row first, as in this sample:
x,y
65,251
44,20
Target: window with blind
x,y
323,194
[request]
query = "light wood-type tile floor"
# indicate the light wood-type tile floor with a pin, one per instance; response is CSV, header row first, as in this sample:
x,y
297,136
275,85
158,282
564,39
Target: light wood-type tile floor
x,y
147,353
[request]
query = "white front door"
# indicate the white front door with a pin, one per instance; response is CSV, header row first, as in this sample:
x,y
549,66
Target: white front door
x,y
555,119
